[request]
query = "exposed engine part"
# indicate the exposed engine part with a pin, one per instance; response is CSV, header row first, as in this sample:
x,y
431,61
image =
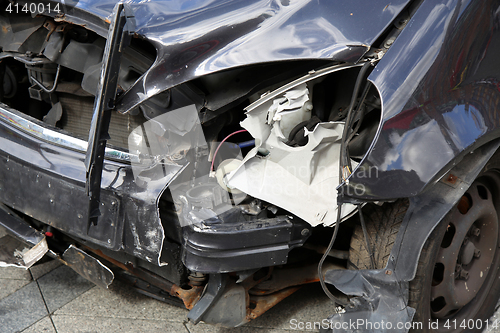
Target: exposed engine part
x,y
39,72
253,208
9,82
54,115
77,106
197,278
39,75
206,196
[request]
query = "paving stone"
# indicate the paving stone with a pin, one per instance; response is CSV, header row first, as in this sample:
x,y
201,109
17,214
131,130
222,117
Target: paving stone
x,y
120,301
39,270
72,323
15,273
42,326
205,328
61,286
21,309
8,286
77,324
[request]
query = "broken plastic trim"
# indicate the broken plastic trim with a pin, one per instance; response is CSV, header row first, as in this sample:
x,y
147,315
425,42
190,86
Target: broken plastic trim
x,y
284,175
17,254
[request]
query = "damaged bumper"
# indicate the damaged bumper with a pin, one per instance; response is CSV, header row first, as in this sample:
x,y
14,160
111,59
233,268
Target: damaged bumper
x,y
25,248
34,161
230,247
182,203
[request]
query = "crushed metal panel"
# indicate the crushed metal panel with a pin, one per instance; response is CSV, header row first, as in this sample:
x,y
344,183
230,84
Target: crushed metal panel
x,y
88,266
17,254
379,297
159,143
13,251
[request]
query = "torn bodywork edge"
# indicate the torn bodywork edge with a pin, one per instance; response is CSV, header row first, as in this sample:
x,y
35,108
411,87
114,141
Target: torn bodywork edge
x,y
383,294
23,234
87,266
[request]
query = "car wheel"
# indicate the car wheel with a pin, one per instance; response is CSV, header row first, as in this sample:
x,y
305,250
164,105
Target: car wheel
x,y
457,282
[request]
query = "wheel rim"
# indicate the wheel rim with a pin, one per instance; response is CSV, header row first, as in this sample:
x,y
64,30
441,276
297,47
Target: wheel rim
x,y
466,253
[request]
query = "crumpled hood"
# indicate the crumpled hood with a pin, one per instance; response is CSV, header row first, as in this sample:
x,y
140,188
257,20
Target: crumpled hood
x,y
198,37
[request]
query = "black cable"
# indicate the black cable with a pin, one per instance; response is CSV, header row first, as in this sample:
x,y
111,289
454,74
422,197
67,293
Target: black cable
x,y
342,163
344,160
358,110
335,299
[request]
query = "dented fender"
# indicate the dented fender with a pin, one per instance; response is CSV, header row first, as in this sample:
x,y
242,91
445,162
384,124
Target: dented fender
x,y
439,88
206,36
382,294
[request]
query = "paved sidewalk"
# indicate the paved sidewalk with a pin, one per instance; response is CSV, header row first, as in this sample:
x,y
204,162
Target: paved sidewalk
x,y
51,298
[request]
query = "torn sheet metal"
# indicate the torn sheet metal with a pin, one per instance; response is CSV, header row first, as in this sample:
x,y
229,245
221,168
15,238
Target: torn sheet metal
x,y
17,254
170,143
160,144
13,251
88,266
302,179
379,298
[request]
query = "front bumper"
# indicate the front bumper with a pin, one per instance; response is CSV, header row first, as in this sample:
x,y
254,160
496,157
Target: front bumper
x,y
42,174
240,246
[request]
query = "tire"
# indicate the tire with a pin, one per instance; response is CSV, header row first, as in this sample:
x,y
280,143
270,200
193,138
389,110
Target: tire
x,y
382,224
441,278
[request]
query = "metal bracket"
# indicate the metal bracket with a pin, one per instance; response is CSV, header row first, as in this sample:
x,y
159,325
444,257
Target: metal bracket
x,y
88,266
215,287
118,38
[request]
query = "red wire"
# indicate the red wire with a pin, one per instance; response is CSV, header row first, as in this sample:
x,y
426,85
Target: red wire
x,y
220,144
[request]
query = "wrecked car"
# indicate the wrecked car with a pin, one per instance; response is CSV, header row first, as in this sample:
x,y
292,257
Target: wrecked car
x,y
220,154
